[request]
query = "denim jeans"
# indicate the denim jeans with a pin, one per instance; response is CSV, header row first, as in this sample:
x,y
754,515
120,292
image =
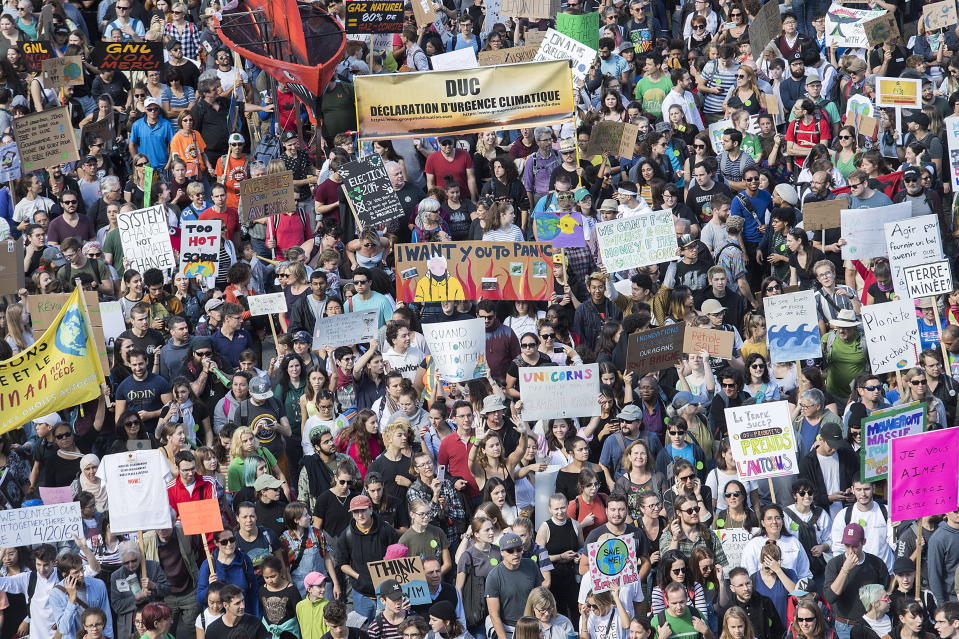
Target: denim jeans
x,y
843,630
366,606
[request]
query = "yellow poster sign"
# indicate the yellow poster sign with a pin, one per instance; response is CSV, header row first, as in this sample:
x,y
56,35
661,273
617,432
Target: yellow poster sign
x,y
899,92
59,371
463,101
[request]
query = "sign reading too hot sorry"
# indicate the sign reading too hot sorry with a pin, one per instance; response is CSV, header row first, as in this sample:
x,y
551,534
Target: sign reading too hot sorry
x,y
763,442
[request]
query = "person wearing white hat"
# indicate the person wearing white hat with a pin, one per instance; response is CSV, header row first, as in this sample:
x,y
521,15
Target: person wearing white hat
x,y
152,134
844,352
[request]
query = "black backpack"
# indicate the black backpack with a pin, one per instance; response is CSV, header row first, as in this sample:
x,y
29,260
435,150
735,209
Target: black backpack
x,y
474,596
807,537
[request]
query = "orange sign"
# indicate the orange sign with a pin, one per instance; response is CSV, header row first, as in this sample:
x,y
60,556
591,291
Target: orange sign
x,y
200,517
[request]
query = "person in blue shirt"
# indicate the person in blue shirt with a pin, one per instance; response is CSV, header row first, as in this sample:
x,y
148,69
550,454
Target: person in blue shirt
x,y
151,135
65,599
928,330
752,205
679,446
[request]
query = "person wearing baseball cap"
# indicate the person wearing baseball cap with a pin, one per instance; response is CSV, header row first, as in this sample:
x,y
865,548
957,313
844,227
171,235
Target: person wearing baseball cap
x,y
508,586
904,587
395,607
365,539
848,571
925,201
152,134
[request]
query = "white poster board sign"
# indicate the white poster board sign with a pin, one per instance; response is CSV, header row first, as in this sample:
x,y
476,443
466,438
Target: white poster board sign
x,y
145,236
792,326
892,335
267,304
863,229
556,46
458,348
136,486
763,441
345,329
612,559
926,280
111,315
200,247
951,126
715,131
910,243
844,25
638,240
40,524
733,541
455,60
558,391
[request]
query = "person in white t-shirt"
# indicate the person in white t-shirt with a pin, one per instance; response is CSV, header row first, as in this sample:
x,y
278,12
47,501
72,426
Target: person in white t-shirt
x,y
874,519
402,356
629,205
213,610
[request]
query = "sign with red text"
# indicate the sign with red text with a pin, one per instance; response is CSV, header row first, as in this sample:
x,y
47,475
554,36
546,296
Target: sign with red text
x,y
762,440
717,343
128,56
200,248
612,559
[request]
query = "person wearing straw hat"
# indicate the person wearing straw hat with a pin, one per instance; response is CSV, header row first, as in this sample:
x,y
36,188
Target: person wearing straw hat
x,y
844,352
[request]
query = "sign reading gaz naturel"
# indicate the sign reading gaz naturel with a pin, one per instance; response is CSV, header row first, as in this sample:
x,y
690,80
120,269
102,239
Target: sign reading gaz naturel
x,y
374,17
409,105
762,438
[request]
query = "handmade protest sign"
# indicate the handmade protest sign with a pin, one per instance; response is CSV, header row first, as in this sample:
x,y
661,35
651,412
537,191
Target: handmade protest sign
x,y
530,8
845,26
892,335
9,162
863,229
926,280
822,215
136,487
267,304
34,53
765,26
111,316
200,248
557,46
409,105
145,237
762,440
128,56
56,494
717,343
45,139
911,242
939,15
455,60
369,191
363,16
922,474
458,348
615,138
62,72
733,541
41,525
512,55
881,427
881,29
408,571
266,196
951,128
200,517
345,329
558,391
582,27
792,326
899,92
638,240
612,559
102,129
562,230
655,349
453,271
424,12
12,277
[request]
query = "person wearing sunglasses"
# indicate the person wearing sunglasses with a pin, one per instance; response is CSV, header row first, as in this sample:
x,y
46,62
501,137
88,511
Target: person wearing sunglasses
x,y
235,568
674,567
508,585
686,528
811,524
925,201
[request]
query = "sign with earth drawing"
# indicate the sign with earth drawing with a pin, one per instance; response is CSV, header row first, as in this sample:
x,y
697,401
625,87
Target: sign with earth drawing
x,y
612,559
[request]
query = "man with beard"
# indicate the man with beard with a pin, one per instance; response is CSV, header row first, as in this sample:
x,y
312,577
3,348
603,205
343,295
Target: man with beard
x,y
616,526
317,470
793,87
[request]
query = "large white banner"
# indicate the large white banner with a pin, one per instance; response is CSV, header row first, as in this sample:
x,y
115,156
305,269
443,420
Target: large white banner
x,y
910,243
844,25
637,240
892,335
145,236
559,391
345,329
863,229
792,326
136,485
458,348
763,442
40,525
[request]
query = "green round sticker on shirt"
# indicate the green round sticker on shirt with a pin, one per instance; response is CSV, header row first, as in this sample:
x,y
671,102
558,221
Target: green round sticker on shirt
x,y
720,523
534,558
676,152
493,561
710,586
699,465
433,543
862,522
793,526
782,247
748,103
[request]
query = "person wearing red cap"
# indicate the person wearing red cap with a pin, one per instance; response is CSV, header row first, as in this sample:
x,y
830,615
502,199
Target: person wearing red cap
x,y
846,573
365,539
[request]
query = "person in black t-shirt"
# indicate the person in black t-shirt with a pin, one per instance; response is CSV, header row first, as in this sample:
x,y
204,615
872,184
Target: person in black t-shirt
x,y
256,542
334,614
235,623
331,514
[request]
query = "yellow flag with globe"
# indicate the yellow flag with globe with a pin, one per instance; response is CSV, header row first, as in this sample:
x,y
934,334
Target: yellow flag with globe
x,y
59,371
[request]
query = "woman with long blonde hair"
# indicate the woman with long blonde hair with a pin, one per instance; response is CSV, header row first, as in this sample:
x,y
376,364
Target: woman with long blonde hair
x,y
18,336
736,625
745,94
487,459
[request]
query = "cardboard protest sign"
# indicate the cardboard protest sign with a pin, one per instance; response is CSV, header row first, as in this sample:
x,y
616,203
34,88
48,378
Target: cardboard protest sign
x,y
892,335
45,308
424,12
408,571
939,15
822,215
369,191
881,29
34,53
899,92
103,129
56,494
136,486
534,38
612,559
765,26
950,126
584,28
267,304
512,55
11,267
717,343
863,229
345,329
762,439
638,240
200,248
128,56
881,427
530,8
364,16
453,271
845,26
558,391
200,517
922,474
266,196
145,236
557,46
655,349
615,138
458,348
40,524
926,280
10,162
45,139
912,242
62,72
564,231
455,60
733,541
792,326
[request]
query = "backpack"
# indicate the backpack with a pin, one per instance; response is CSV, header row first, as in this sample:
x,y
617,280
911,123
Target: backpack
x,y
807,537
882,509
474,596
661,615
